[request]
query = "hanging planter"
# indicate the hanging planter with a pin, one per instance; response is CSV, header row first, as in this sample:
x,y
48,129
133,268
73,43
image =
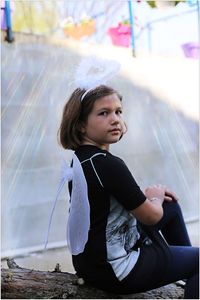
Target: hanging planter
x,y
191,50
78,30
120,35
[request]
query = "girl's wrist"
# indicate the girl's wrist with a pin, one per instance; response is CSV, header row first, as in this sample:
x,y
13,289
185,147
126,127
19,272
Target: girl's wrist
x,y
156,199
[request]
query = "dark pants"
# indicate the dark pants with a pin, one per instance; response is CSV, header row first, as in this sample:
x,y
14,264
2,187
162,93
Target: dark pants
x,y
156,268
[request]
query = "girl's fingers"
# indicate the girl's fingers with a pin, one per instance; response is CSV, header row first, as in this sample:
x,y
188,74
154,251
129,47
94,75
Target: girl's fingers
x,y
168,199
171,194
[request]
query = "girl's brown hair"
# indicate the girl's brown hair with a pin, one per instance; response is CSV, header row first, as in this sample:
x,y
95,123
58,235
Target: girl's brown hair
x,y
76,112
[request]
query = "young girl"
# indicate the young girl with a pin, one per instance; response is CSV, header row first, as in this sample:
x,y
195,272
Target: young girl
x,y
123,251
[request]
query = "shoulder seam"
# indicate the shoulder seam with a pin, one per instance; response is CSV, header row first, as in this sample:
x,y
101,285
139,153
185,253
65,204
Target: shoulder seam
x,y
90,159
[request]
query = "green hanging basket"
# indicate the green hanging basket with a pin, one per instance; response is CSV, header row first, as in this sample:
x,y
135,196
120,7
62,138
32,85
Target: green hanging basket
x,y
156,4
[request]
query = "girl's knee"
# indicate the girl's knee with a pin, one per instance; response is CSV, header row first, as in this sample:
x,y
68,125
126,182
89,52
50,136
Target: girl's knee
x,y
172,206
173,211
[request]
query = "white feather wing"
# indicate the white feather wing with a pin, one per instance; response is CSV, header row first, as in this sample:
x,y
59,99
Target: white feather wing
x,y
79,215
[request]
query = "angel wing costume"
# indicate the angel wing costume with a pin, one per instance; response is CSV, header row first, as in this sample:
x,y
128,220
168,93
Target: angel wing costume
x,y
79,214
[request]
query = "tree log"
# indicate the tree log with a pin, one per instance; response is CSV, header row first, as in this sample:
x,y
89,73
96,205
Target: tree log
x,y
20,283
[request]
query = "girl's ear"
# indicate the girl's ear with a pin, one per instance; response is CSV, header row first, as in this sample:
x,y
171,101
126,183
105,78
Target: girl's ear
x,y
81,127
124,130
124,127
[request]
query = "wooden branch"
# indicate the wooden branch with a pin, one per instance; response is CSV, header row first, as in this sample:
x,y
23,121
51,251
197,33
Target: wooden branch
x,y
20,283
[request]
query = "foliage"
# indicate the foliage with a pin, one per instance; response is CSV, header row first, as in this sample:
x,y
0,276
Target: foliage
x,y
29,17
153,3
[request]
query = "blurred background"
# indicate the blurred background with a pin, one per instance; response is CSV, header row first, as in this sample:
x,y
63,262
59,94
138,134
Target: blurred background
x,y
157,44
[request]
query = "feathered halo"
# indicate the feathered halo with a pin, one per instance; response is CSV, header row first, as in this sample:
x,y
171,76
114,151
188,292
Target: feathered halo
x,y
94,71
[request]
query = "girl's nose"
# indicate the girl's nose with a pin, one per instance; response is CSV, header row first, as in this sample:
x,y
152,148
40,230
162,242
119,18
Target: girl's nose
x,y
114,118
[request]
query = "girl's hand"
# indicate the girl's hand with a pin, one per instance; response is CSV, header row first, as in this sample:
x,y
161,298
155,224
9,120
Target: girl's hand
x,y
161,192
170,196
155,191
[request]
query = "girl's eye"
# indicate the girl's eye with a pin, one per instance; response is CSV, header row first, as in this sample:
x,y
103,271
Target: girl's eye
x,y
103,113
119,112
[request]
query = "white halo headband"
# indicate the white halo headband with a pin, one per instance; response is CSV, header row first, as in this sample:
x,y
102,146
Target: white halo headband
x,y
86,92
94,71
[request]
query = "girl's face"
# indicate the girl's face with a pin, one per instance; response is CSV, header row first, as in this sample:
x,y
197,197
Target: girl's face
x,y
104,125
